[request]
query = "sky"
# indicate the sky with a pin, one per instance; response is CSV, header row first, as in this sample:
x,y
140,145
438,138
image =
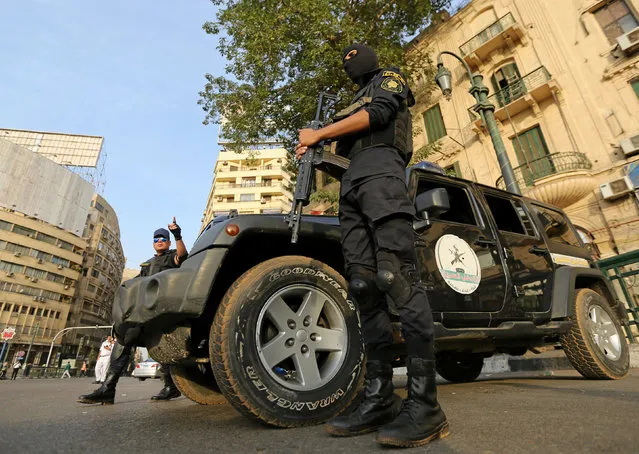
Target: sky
x,y
129,71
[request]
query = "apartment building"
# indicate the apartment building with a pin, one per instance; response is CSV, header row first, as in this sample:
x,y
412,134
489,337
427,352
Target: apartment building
x,y
254,182
564,79
40,267
102,271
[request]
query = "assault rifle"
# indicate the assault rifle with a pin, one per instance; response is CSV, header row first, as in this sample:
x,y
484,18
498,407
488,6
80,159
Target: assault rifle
x,y
308,162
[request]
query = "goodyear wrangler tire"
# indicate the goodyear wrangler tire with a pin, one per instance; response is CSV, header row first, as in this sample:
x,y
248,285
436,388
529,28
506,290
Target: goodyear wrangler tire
x,y
197,383
286,345
596,345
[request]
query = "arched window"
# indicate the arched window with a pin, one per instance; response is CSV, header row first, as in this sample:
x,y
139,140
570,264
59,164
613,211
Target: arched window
x,y
508,84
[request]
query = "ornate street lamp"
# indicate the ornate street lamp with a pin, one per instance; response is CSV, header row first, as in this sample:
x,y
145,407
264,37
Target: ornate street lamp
x,y
486,110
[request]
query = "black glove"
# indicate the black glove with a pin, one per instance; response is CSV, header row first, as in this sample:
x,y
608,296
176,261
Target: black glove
x,y
175,230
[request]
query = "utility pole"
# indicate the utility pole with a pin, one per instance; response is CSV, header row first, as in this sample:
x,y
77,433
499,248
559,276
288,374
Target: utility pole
x,y
26,358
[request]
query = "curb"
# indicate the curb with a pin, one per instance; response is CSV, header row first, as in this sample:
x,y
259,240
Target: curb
x,y
551,360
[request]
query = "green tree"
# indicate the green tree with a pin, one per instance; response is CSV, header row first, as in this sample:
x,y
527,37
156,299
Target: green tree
x,y
282,53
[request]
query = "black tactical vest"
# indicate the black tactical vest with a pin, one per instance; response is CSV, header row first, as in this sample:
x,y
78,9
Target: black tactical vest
x,y
397,133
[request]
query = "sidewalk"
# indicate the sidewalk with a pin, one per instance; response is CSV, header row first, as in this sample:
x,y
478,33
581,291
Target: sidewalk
x,y
549,360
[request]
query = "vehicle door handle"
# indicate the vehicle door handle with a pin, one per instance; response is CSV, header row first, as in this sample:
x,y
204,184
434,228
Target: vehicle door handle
x,y
538,250
484,242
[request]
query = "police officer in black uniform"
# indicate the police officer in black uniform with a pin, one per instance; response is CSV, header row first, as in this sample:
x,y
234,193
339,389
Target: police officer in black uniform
x,y
165,258
378,244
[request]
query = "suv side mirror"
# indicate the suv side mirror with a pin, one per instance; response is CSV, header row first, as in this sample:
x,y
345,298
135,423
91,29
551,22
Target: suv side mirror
x,y
430,204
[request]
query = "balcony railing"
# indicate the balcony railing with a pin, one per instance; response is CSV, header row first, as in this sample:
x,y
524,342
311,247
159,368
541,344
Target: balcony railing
x,y
487,34
247,185
548,165
249,168
520,87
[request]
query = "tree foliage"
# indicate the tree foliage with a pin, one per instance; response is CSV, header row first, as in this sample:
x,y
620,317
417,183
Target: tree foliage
x,y
282,53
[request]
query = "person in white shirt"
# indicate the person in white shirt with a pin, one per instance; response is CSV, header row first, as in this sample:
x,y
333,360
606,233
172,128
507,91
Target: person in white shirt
x,y
104,358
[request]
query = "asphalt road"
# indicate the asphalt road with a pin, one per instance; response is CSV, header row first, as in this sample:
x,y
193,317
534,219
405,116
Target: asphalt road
x,y
501,413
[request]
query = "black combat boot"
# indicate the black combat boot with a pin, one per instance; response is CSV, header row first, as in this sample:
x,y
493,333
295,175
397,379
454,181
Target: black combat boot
x,y
105,394
169,391
421,419
380,404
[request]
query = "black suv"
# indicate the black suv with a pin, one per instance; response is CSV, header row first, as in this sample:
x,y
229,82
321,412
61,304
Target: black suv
x,y
267,323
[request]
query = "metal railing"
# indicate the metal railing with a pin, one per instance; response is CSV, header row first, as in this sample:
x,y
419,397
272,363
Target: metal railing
x,y
247,185
618,269
487,34
249,168
548,165
515,90
520,87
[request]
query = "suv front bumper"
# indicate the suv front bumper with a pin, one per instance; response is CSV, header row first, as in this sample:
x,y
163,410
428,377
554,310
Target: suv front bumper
x,y
163,300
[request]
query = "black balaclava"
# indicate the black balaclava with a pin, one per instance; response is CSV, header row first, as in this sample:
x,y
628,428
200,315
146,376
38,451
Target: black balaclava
x,y
361,65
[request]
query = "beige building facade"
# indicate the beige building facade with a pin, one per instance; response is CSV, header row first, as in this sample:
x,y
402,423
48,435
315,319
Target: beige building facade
x,y
564,79
40,268
254,182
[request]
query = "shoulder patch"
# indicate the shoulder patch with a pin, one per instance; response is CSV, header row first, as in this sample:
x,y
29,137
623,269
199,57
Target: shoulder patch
x,y
393,85
394,74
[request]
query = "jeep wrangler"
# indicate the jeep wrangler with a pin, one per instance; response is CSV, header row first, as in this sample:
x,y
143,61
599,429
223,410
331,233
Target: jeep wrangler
x,y
267,324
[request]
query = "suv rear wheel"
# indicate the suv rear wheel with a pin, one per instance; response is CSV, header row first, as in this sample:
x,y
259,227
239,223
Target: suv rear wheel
x,y
596,345
286,345
197,383
459,368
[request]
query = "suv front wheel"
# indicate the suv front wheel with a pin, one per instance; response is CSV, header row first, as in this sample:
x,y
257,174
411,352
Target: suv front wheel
x,y
596,345
286,344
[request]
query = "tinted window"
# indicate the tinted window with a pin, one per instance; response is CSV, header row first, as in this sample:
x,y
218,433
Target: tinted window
x,y
461,210
556,226
509,215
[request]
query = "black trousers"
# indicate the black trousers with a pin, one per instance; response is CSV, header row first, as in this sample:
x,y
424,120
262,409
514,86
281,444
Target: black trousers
x,y
121,357
376,217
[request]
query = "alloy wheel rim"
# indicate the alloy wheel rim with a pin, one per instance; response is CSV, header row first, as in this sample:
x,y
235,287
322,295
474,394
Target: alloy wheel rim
x,y
301,337
604,333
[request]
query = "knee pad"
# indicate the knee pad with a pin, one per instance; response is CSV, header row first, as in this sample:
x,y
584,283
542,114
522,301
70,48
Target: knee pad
x,y
394,278
363,289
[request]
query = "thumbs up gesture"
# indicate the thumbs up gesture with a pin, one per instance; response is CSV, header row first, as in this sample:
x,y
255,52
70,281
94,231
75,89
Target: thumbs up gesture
x,y
175,230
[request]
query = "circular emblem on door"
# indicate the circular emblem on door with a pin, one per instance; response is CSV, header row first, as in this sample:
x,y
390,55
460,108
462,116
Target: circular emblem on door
x,y
458,264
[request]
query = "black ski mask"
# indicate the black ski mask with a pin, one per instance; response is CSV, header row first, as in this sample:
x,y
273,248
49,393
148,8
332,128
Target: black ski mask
x,y
361,64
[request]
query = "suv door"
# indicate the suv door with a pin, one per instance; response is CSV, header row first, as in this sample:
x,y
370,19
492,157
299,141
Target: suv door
x,y
527,257
562,240
459,257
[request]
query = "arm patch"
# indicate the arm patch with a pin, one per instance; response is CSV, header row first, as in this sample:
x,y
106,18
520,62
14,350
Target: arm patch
x,y
395,75
392,84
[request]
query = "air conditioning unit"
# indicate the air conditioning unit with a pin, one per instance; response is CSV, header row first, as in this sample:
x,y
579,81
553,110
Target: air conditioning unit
x,y
36,298
67,287
630,145
60,245
629,42
40,261
34,279
616,188
60,267
21,290
220,199
10,274
263,200
17,254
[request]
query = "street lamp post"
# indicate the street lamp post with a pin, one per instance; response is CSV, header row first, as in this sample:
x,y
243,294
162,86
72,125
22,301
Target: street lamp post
x,y
26,358
486,110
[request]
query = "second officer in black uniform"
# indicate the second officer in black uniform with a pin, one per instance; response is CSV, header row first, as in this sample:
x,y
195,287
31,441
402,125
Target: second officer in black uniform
x,y
378,243
165,258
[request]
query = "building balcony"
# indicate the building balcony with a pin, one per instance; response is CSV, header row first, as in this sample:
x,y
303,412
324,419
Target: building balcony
x,y
504,32
524,93
559,179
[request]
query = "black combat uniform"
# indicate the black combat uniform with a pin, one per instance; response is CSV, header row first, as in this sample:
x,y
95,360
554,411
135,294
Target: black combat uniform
x,y
123,348
378,243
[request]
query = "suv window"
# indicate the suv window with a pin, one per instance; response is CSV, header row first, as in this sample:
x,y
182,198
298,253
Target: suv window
x,y
509,215
556,226
461,210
